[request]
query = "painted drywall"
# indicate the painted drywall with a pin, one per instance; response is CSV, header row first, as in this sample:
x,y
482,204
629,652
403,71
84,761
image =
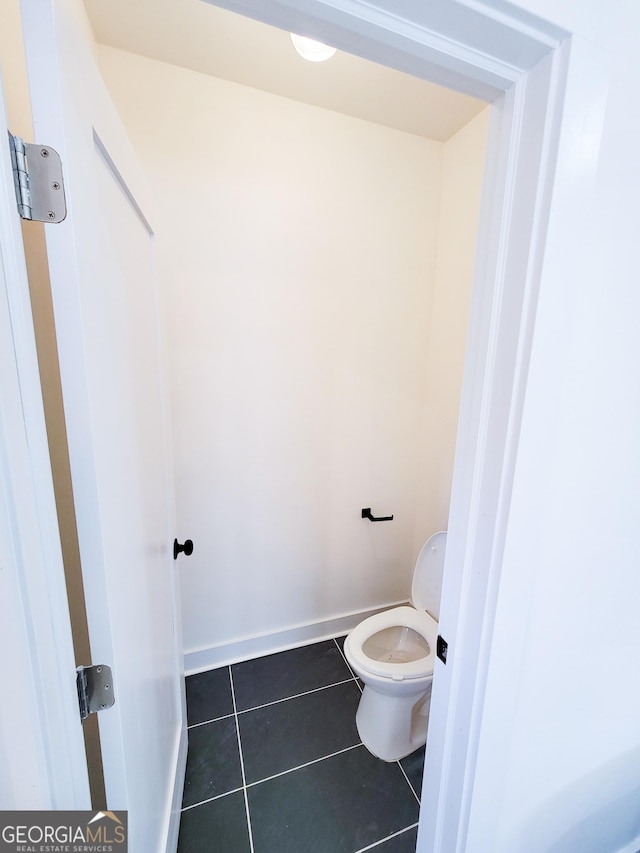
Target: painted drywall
x,y
559,740
462,178
306,266
22,782
14,71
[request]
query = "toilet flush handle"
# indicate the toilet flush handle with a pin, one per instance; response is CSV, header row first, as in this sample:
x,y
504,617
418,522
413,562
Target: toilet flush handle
x,y
366,513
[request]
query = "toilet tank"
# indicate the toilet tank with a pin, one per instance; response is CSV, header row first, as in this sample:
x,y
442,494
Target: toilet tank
x,y
426,588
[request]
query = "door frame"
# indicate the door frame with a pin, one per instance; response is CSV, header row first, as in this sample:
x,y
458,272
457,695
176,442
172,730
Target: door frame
x,y
45,712
522,149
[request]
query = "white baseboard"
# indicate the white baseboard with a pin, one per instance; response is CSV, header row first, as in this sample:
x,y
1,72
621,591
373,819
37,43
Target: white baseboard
x,y
223,654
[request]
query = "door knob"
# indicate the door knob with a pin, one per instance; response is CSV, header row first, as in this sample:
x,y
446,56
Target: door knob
x,y
186,549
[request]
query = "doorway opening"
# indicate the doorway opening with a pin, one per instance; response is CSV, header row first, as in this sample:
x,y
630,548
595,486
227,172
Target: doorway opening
x,y
317,344
316,350
319,319
482,398
520,66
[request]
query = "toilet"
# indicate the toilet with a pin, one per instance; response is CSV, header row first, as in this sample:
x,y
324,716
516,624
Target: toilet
x,y
393,652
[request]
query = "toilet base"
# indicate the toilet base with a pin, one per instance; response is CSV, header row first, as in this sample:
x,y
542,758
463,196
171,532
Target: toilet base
x,y
393,726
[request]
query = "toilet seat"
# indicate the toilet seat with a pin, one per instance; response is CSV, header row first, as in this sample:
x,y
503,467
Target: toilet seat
x,y
401,617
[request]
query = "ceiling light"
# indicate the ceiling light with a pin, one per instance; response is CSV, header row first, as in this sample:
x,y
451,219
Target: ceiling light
x,y
312,50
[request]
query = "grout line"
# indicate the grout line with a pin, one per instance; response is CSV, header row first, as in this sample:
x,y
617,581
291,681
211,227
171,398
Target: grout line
x,y
210,800
382,840
344,658
413,790
295,696
300,766
244,779
212,720
268,704
246,785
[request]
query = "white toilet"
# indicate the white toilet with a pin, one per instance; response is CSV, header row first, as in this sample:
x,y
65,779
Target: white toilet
x,y
393,653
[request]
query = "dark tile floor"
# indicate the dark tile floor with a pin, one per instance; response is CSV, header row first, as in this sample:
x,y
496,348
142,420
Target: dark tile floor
x,y
275,763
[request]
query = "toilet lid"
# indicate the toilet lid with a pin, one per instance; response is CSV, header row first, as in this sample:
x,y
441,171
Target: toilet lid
x,y
427,575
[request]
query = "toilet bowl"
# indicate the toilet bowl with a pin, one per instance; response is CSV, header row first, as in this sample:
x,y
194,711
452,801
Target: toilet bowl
x,y
393,652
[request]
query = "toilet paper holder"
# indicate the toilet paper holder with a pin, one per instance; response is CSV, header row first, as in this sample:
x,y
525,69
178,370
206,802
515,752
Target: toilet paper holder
x,y
366,513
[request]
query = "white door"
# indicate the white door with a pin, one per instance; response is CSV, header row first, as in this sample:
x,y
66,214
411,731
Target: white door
x,y
103,270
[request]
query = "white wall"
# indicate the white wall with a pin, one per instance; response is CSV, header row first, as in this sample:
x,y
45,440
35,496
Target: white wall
x,y
299,344
462,175
560,737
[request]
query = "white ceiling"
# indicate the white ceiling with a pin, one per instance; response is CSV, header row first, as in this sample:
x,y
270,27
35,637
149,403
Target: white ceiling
x,y
200,36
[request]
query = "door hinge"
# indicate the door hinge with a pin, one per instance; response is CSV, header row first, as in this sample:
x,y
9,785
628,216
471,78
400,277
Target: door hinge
x,y
95,689
37,177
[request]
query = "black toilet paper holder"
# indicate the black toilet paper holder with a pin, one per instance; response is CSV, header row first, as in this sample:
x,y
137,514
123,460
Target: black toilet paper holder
x,y
366,513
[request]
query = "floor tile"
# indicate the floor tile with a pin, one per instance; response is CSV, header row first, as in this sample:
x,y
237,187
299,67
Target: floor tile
x,y
284,674
287,734
208,695
213,761
403,843
337,805
413,766
340,642
216,827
